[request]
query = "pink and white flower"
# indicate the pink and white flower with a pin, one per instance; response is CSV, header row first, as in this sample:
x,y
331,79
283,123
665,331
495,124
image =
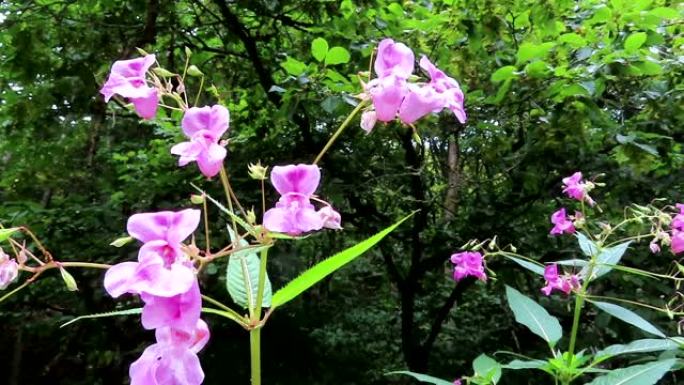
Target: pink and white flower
x,y
204,126
562,224
127,79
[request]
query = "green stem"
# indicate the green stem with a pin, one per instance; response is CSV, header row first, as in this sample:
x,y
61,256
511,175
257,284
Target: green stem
x,y
262,281
226,189
255,354
579,302
339,131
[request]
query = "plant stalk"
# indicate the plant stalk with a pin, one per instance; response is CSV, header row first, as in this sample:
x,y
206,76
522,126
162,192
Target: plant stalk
x,y
339,131
579,302
255,334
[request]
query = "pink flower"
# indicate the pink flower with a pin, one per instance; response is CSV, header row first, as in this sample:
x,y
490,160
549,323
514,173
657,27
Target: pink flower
x,y
677,241
575,188
387,94
204,126
331,218
457,381
448,89
170,226
368,120
294,214
561,223
127,79
420,101
655,248
9,270
173,359
468,263
179,312
394,59
565,283
678,220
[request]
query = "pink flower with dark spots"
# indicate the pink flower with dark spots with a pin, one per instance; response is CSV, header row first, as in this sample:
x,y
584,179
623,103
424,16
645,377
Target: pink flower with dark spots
x,y
565,283
127,79
204,126
561,223
173,359
9,270
468,263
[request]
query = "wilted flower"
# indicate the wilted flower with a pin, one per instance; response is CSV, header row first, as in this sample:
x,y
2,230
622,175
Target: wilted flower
x,y
468,263
9,270
561,223
575,188
204,126
565,283
127,79
655,248
173,359
331,218
368,120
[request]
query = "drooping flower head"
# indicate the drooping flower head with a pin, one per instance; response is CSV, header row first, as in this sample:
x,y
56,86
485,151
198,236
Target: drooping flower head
x,y
173,359
394,59
565,283
574,187
293,213
204,126
127,79
561,223
468,263
9,270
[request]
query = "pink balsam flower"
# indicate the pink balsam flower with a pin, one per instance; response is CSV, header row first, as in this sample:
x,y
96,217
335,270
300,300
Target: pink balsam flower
x,y
394,59
561,223
387,94
574,187
173,359
468,263
9,270
127,79
677,241
678,219
179,312
204,126
565,283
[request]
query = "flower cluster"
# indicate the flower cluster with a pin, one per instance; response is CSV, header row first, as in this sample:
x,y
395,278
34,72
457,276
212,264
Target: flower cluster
x,y
565,283
294,213
574,187
164,278
9,270
204,127
468,263
563,223
128,79
394,96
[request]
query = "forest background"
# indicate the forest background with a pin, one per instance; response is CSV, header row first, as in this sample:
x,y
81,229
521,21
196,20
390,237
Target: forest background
x,y
551,87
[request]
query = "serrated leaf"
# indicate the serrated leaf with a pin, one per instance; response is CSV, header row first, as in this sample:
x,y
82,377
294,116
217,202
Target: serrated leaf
x,y
242,276
337,55
646,345
487,367
422,377
628,316
634,41
534,316
533,267
647,374
319,48
137,310
329,266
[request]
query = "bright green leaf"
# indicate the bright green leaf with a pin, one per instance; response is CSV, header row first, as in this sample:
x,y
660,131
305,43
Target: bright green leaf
x,y
242,276
293,66
646,374
588,246
609,256
531,51
487,367
572,39
537,69
519,364
646,345
629,317
534,316
319,48
337,55
6,233
635,41
504,73
328,266
665,13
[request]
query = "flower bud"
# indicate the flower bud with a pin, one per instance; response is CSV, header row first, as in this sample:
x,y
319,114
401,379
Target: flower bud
x,y
141,51
251,217
68,279
197,199
655,249
194,71
257,171
162,72
188,52
492,243
121,241
514,249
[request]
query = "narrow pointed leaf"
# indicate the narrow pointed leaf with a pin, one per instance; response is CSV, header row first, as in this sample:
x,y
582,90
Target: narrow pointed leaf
x,y
533,267
328,266
628,316
646,345
609,256
487,367
6,233
534,316
422,377
117,313
646,374
520,364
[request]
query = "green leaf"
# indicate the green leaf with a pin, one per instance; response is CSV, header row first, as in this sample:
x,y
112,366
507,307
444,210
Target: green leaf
x,y
530,51
5,234
572,39
293,66
646,345
628,316
68,279
504,73
533,267
649,68
634,41
588,246
242,276
609,256
537,69
487,367
647,374
137,310
534,316
422,377
328,266
319,48
664,13
337,55
519,364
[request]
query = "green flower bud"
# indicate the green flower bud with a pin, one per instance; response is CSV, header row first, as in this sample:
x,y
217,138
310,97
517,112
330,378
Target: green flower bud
x,y
257,171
